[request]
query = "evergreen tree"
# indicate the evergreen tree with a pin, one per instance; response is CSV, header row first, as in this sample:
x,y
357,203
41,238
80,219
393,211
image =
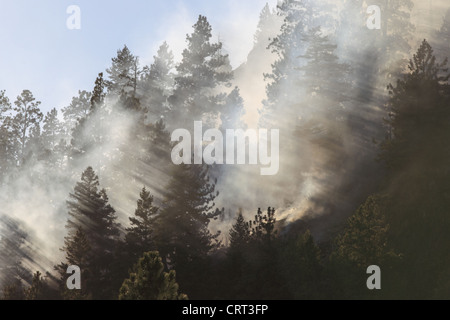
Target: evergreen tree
x,y
90,212
140,236
78,109
52,133
148,281
251,266
13,291
6,143
263,227
14,253
183,237
78,253
441,38
365,239
37,289
416,156
239,233
267,21
98,95
233,111
203,74
123,74
303,274
27,116
157,84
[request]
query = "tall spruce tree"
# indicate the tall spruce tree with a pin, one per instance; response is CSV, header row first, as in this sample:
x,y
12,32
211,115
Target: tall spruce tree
x,y
90,212
203,74
14,253
416,156
52,130
183,237
123,73
140,235
98,95
157,83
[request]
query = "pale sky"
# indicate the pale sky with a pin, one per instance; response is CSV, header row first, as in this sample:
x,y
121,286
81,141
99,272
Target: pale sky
x,y
39,53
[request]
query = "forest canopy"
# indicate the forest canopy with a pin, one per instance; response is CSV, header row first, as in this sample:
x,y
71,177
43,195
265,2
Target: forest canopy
x,y
363,120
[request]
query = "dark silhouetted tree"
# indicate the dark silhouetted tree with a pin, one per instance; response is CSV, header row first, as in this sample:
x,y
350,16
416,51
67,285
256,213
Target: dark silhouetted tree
x,y
93,218
140,235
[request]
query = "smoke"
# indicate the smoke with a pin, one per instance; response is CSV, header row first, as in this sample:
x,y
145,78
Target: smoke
x,y
328,165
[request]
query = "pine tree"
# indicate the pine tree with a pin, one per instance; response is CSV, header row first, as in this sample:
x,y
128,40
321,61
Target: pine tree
x,y
52,133
183,237
14,253
289,45
441,38
98,95
239,233
78,253
123,74
365,239
78,109
417,102
251,268
157,84
263,227
202,74
140,236
363,243
89,131
233,111
27,116
13,291
148,281
89,211
267,20
416,156
37,289
302,275
6,143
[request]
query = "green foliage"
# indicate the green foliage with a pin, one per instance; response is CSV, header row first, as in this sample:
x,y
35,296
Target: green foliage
x,y
416,155
53,131
37,288
301,267
78,109
140,235
27,117
98,95
13,291
157,83
183,237
123,74
148,281
239,233
364,241
92,235
203,69
14,253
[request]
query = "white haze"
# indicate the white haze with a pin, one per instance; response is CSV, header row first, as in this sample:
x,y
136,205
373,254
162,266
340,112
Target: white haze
x,y
38,199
